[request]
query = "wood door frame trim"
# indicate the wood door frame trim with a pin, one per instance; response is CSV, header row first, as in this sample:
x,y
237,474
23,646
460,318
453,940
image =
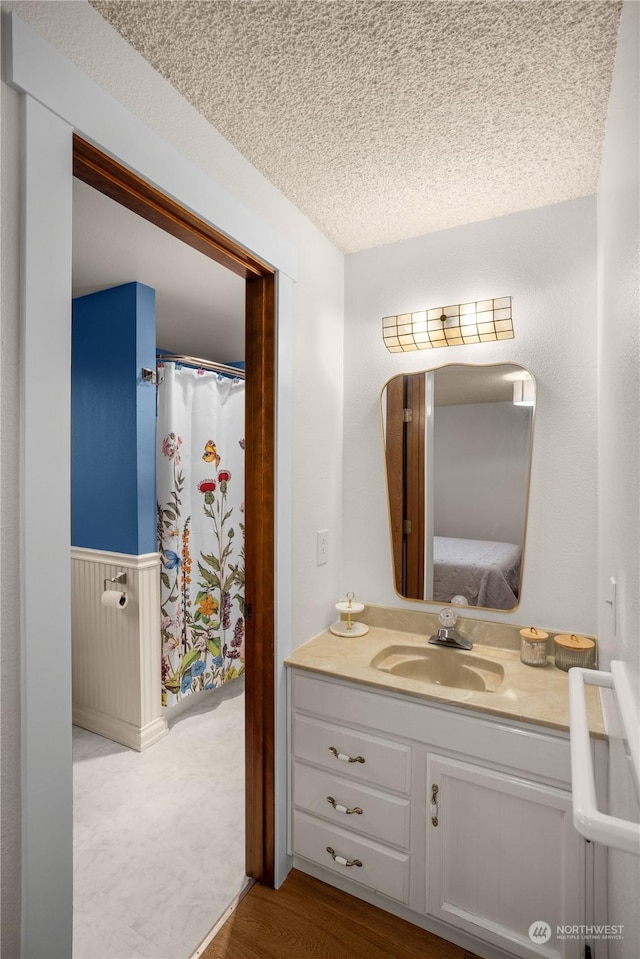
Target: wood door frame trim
x,y
109,177
118,182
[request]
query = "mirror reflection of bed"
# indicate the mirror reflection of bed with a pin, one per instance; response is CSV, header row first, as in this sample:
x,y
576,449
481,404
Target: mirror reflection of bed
x,y
457,451
485,572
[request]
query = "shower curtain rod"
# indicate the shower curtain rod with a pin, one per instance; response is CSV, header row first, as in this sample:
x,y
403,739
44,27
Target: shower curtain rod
x,y
202,364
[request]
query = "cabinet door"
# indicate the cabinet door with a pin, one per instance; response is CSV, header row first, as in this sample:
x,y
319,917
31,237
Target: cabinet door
x,y
504,859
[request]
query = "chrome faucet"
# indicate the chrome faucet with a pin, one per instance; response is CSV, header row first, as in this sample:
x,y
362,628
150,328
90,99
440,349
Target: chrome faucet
x,y
447,635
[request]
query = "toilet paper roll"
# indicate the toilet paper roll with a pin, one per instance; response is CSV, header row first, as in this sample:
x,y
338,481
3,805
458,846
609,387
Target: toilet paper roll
x,y
114,598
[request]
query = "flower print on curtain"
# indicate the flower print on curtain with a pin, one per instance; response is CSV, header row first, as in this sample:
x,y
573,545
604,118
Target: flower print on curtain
x,y
200,529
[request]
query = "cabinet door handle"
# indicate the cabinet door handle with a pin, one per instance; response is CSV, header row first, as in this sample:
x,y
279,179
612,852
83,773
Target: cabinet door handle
x,y
344,758
341,860
340,808
434,805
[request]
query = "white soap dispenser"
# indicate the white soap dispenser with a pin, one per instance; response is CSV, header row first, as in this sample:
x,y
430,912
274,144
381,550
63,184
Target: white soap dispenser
x,y
347,627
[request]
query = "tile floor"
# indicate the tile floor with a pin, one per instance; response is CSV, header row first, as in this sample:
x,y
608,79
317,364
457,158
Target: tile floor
x,y
159,835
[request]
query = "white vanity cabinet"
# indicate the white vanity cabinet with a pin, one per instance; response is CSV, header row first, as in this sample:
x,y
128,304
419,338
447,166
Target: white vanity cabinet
x,y
457,821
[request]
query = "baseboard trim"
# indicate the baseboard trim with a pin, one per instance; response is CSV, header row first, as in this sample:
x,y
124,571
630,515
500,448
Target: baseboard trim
x,y
138,738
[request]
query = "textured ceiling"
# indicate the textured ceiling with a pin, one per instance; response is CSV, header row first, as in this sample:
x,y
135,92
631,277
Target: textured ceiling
x,y
386,120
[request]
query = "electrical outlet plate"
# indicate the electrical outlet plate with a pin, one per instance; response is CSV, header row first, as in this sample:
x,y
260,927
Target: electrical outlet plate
x,y
322,546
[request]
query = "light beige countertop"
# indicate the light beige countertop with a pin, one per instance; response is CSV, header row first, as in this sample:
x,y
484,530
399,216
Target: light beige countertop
x,y
527,693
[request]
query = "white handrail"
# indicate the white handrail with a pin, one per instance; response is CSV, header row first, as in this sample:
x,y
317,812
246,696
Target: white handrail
x,y
588,820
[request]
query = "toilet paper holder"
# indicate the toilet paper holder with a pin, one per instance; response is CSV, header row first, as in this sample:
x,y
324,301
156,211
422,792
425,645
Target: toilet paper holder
x,y
120,578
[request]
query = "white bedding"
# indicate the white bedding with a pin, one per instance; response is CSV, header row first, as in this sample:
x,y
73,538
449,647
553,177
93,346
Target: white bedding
x,y
487,573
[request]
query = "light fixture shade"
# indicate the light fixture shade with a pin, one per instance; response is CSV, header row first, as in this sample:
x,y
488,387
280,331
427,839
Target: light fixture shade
x,y
454,325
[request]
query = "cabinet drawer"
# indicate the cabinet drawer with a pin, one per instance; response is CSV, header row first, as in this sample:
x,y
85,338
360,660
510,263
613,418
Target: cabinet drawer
x,y
382,869
533,749
338,701
381,816
376,761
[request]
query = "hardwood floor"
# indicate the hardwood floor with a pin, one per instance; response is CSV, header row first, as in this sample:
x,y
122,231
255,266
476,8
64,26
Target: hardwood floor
x,y
307,919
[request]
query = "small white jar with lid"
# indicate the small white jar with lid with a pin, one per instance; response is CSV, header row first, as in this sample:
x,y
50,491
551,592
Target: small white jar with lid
x,y
533,646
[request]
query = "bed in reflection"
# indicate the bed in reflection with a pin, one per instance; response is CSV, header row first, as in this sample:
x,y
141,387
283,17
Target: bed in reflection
x,y
485,572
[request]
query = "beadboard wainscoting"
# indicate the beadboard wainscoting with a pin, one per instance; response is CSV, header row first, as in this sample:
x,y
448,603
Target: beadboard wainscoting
x,y
116,652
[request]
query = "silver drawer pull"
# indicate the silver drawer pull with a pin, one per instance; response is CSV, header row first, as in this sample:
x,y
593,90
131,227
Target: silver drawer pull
x,y
434,804
344,758
341,860
340,808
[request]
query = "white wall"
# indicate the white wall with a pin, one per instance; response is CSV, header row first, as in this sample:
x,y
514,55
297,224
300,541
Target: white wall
x,y
619,432
546,260
619,352
9,535
310,387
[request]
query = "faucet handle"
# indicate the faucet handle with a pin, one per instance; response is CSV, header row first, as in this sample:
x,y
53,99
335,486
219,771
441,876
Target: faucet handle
x,y
447,617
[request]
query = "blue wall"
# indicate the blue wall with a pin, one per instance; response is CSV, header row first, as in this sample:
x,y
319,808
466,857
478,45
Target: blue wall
x,y
113,459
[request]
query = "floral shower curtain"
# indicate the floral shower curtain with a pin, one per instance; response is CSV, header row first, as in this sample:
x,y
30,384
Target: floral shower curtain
x,y
200,529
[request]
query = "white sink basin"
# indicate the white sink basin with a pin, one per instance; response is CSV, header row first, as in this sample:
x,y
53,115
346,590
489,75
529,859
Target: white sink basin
x,y
441,667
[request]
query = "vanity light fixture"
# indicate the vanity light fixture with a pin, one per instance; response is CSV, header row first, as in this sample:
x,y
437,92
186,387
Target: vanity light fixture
x,y
455,325
524,392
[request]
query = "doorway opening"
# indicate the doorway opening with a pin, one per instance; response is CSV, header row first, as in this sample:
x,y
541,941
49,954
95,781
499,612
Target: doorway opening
x,y
117,182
